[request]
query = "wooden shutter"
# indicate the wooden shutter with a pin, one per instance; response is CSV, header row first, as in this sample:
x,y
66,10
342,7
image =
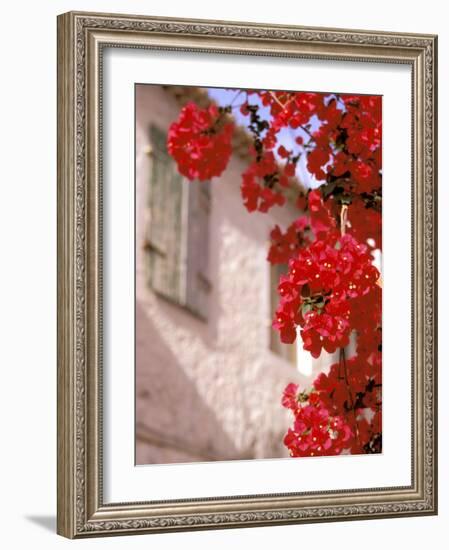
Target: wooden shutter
x,y
177,238
287,351
164,235
198,285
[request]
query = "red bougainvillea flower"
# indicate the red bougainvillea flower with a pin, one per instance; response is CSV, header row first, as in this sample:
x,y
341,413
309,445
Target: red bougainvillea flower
x,y
200,142
366,318
321,220
341,411
336,268
315,432
359,136
324,330
369,435
347,142
316,161
288,314
365,175
282,152
317,292
256,197
359,375
290,397
258,184
363,124
285,245
365,223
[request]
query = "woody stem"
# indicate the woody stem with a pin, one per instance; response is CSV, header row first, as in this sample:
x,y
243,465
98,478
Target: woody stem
x,y
343,219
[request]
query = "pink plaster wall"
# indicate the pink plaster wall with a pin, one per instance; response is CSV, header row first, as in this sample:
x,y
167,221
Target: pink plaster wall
x,y
209,390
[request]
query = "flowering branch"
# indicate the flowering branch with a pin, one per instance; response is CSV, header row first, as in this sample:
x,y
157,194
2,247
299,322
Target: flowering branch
x,y
332,289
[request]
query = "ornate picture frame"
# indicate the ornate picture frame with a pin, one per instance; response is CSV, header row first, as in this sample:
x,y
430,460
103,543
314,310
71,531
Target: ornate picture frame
x,y
82,510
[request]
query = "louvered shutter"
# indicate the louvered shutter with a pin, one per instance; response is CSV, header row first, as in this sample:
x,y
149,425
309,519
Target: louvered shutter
x,y
198,284
164,235
177,238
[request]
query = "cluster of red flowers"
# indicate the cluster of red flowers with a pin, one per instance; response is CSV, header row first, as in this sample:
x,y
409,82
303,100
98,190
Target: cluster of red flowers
x,y
293,109
348,143
343,411
354,385
285,245
200,142
331,294
365,223
302,231
318,291
258,182
316,431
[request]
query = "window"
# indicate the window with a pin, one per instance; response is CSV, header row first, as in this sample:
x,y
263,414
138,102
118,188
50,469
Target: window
x,y
177,235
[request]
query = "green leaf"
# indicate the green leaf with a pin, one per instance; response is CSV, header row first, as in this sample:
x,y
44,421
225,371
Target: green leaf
x,y
306,308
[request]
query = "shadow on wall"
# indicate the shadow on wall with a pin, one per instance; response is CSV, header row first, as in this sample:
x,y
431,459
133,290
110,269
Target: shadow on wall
x,y
173,423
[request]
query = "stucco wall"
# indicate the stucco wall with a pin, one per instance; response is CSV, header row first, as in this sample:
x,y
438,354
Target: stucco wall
x,y
209,390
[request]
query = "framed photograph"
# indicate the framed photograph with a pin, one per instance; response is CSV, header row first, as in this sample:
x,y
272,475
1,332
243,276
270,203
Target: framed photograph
x,y
247,274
